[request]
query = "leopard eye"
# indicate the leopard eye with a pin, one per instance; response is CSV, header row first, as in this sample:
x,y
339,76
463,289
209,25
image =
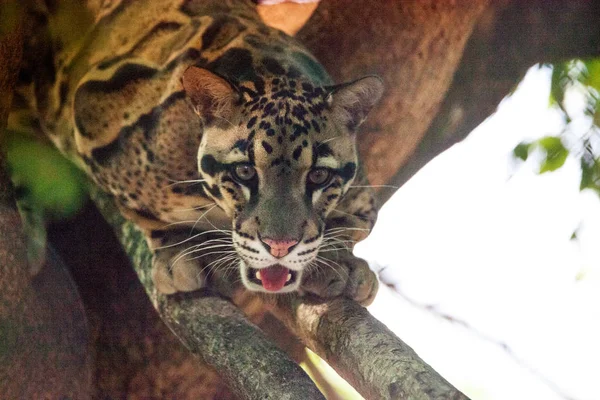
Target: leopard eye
x,y
244,172
319,176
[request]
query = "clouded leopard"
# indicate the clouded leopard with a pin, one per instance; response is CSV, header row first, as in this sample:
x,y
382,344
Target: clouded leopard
x,y
224,140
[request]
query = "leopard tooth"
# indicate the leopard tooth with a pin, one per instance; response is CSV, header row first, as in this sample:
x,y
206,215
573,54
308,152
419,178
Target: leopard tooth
x,y
257,275
289,277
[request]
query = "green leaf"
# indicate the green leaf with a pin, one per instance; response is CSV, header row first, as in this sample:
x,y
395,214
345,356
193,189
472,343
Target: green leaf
x,y
48,180
590,174
556,153
592,78
522,150
557,84
574,236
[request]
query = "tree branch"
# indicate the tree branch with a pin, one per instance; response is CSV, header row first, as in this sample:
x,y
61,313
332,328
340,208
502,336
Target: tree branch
x,y
215,329
362,350
358,346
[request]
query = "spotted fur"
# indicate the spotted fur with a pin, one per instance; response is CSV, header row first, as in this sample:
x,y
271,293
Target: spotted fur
x,y
164,99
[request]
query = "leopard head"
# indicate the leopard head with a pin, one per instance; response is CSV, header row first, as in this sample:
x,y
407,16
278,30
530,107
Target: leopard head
x,y
278,161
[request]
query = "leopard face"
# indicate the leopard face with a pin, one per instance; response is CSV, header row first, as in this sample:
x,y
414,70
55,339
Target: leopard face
x,y
277,162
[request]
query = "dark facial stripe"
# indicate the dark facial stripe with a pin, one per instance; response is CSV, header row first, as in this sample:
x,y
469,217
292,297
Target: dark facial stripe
x,y
213,190
250,249
348,171
241,145
323,150
210,165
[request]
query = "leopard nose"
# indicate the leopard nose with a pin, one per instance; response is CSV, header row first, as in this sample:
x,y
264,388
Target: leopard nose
x,y
277,247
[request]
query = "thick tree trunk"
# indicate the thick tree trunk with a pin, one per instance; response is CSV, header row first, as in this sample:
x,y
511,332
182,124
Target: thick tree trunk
x,y
415,46
436,93
43,329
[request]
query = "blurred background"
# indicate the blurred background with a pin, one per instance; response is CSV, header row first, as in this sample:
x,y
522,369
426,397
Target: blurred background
x,y
492,261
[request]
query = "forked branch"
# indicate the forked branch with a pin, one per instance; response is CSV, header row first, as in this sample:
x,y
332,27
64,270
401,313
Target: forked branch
x,y
360,348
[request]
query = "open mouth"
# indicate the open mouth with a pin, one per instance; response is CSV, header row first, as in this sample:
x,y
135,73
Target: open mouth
x,y
272,279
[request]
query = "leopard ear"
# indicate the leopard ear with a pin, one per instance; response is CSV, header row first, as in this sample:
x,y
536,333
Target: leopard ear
x,y
351,102
212,96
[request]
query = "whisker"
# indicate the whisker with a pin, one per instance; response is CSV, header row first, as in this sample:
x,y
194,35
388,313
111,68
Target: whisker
x,y
349,229
332,248
221,259
335,240
194,208
224,119
328,140
188,239
339,234
326,263
202,216
374,186
193,181
332,240
328,260
197,249
187,253
213,225
227,265
343,212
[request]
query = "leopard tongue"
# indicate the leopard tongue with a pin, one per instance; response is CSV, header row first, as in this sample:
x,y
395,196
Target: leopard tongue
x,y
274,278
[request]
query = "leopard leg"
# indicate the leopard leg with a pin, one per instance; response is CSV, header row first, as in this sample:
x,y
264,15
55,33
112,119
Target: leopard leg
x,y
180,260
337,271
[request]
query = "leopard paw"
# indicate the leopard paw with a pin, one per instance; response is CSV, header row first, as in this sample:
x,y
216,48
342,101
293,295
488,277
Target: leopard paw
x,y
171,275
326,281
348,276
362,284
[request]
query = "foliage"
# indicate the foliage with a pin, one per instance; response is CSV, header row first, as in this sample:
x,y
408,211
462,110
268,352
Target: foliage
x,y
44,179
582,76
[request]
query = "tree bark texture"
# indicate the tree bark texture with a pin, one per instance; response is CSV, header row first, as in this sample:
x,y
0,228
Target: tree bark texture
x,y
415,46
441,80
363,351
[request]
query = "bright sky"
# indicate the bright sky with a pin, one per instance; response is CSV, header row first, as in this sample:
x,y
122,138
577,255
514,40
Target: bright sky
x,y
487,241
